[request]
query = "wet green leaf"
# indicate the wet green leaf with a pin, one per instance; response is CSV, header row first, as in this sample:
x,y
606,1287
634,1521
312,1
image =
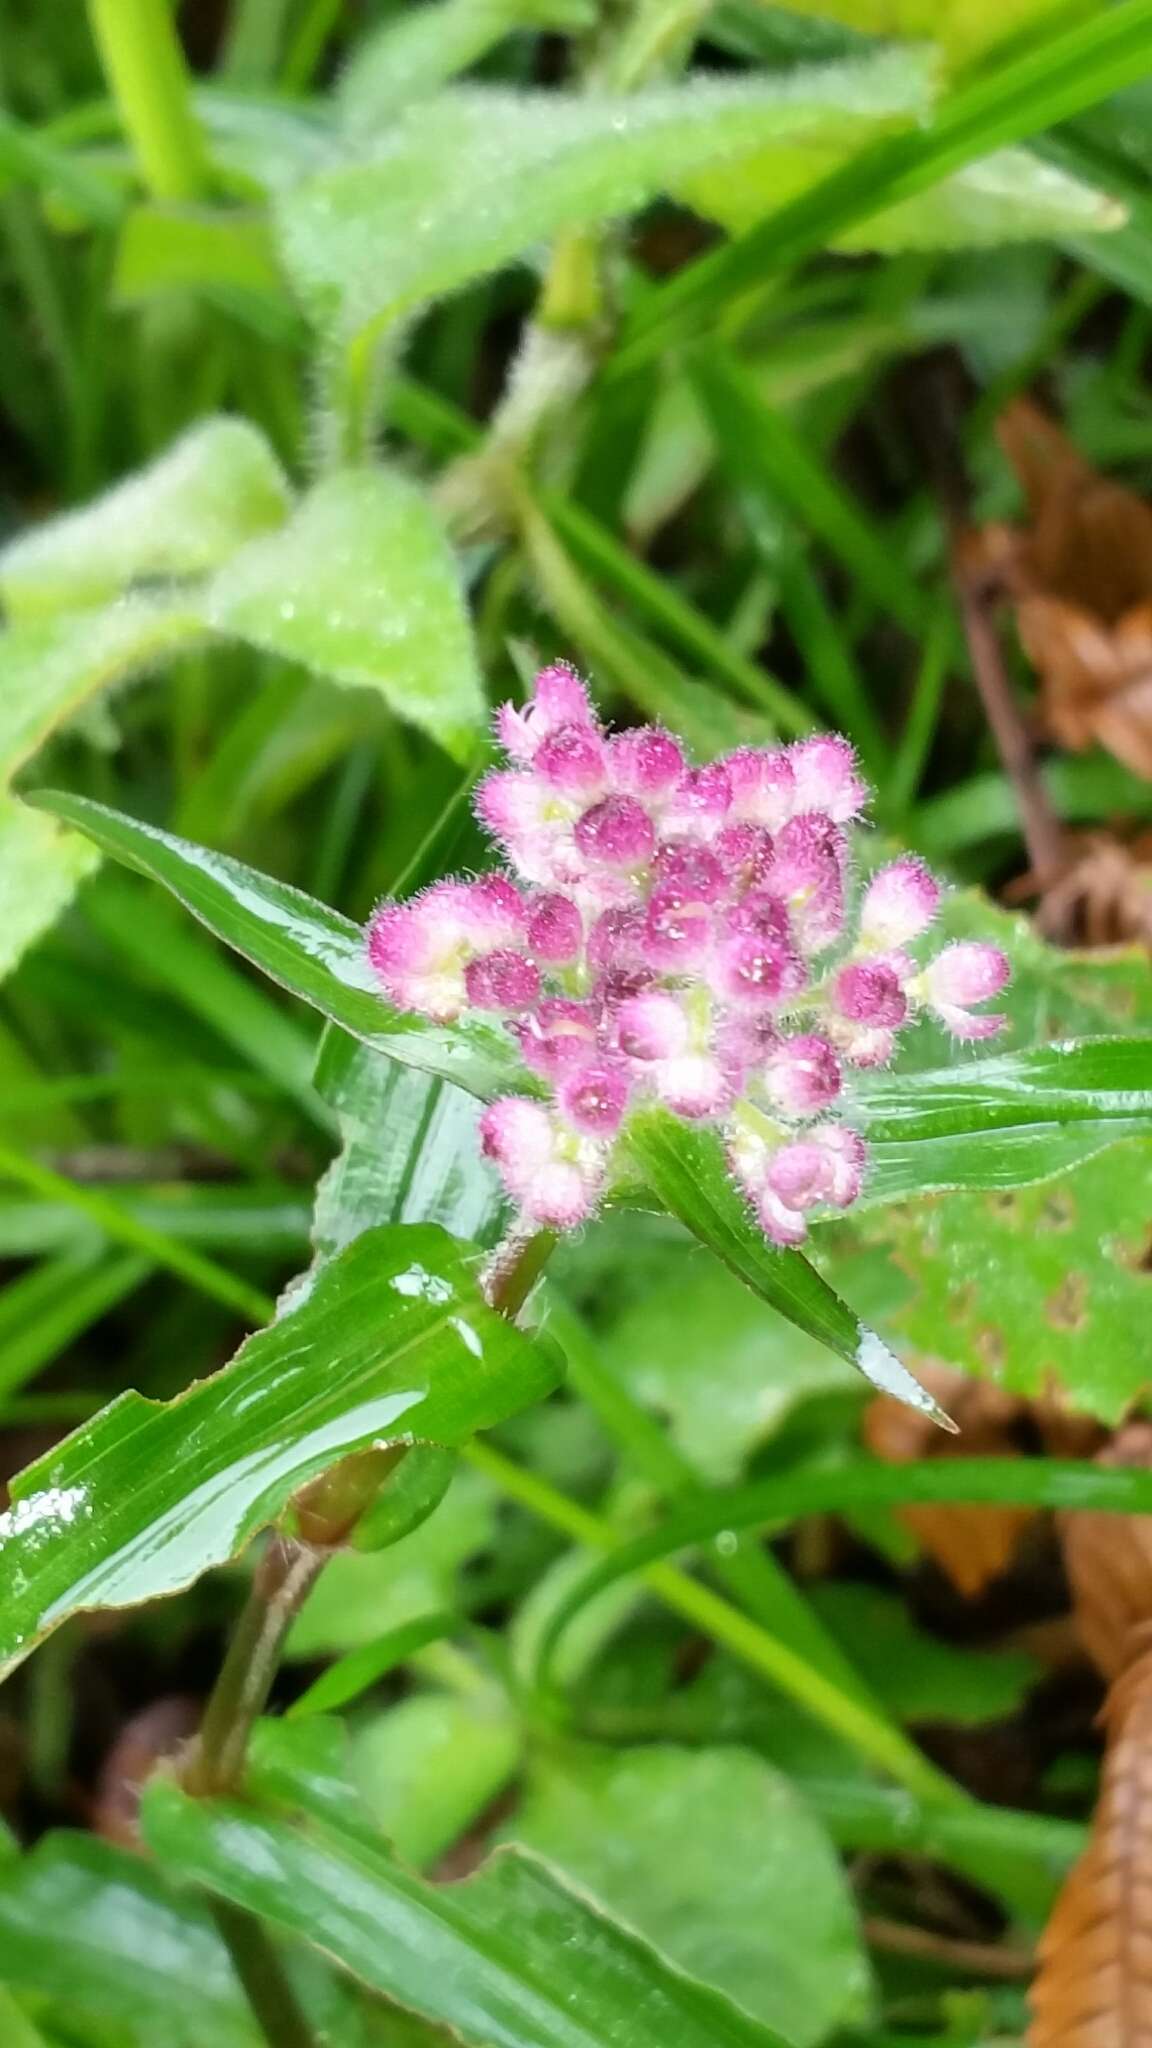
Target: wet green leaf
x,y
1004,1121
310,950
390,1341
215,489
410,1152
83,1920
361,585
685,1167
713,1857
508,1956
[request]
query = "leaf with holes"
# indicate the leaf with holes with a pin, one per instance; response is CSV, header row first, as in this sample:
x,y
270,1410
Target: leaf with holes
x,y
1043,1287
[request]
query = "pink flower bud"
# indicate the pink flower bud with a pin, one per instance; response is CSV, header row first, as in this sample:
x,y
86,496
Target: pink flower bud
x,y
763,785
799,1175
870,994
572,760
846,1159
781,1225
651,1026
807,869
755,972
616,942
557,1036
502,981
421,949
744,853
698,807
826,778
802,1075
645,762
899,903
559,698
618,832
520,813
677,932
519,1136
693,871
966,973
593,1099
561,1196
693,1085
865,1045
555,930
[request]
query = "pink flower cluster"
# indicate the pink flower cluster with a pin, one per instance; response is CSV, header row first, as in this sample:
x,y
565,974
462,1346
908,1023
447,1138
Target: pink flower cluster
x,y
680,935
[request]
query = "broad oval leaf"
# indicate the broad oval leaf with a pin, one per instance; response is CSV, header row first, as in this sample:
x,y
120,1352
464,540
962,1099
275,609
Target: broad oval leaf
x,y
750,1897
509,1956
361,585
213,490
390,1342
309,949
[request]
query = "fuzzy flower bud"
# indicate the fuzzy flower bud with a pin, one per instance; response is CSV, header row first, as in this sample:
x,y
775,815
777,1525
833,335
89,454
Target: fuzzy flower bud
x,y
961,975
899,904
670,948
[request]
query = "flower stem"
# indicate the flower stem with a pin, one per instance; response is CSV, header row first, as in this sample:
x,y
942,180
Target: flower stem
x,y
144,65
284,1576
261,1973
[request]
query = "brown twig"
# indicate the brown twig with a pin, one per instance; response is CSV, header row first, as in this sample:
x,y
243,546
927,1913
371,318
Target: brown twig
x,y
935,421
974,1958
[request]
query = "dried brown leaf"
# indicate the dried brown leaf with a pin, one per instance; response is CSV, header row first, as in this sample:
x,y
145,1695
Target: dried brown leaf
x,y
1081,576
1109,1562
1093,1988
1101,897
972,1545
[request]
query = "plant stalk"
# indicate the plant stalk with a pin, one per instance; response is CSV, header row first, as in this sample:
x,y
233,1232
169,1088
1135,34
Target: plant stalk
x,y
265,1984
284,1577
144,64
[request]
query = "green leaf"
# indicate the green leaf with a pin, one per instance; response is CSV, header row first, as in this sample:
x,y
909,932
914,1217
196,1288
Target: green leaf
x,y
685,1166
414,54
918,1676
390,1341
410,1152
749,1896
1045,1286
362,586
1073,68
1003,1122
224,256
965,27
216,488
1008,196
83,1920
508,1956
53,665
429,1767
41,867
364,1594
536,163
310,950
